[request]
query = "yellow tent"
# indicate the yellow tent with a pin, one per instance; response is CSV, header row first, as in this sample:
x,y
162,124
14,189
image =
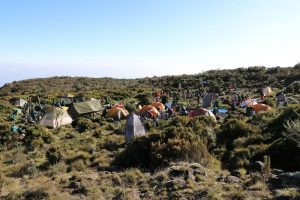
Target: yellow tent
x,y
158,105
267,91
139,108
64,108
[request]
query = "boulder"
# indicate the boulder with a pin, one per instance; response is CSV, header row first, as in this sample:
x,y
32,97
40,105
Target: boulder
x,y
236,173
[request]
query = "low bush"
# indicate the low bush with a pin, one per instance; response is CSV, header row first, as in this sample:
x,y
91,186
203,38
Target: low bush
x,y
277,126
53,156
159,149
37,136
293,87
84,124
5,134
269,101
233,129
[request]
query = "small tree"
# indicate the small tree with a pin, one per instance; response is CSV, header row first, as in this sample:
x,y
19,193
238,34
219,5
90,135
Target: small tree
x,y
58,119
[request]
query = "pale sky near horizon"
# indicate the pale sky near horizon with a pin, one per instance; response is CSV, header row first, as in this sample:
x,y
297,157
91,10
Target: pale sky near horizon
x,y
131,38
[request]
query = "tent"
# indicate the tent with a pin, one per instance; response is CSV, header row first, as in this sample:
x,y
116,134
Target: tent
x,y
91,99
207,100
118,113
84,108
134,127
150,108
20,103
202,111
248,102
169,105
158,105
64,108
65,100
68,95
281,97
267,91
55,117
261,107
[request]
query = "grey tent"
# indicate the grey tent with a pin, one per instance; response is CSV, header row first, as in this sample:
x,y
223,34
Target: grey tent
x,y
281,97
84,108
134,127
207,100
20,103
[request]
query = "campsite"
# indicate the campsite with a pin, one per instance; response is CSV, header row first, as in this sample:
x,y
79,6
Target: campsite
x,y
219,134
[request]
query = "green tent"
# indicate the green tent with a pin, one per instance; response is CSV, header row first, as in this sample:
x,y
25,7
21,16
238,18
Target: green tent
x,y
84,108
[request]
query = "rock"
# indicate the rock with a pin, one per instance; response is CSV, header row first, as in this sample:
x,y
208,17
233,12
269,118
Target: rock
x,y
232,180
195,166
277,171
176,184
236,173
258,166
288,179
178,172
229,179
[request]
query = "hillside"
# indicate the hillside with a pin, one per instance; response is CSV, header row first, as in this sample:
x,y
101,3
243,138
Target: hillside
x,y
238,156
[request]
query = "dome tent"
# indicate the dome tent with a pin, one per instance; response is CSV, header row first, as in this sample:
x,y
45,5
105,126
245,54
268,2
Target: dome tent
x,y
134,127
19,103
150,108
118,113
267,91
55,117
158,105
261,107
202,111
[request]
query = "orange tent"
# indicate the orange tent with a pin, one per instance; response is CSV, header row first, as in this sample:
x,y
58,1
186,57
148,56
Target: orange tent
x,y
261,107
202,111
158,105
117,112
150,108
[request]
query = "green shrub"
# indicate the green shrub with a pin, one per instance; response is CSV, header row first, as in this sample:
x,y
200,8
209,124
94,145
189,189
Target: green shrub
x,y
28,168
53,156
130,107
159,149
277,126
144,98
84,124
293,87
292,132
284,155
203,126
5,134
37,135
233,129
269,101
36,194
284,152
180,121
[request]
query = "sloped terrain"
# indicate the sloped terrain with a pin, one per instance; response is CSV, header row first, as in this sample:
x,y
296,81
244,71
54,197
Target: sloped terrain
x,y
239,157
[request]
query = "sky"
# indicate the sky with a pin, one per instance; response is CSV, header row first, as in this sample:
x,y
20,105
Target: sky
x,y
139,38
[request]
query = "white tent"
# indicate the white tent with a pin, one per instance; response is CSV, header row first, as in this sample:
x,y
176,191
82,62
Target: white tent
x,y
56,117
20,103
134,127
